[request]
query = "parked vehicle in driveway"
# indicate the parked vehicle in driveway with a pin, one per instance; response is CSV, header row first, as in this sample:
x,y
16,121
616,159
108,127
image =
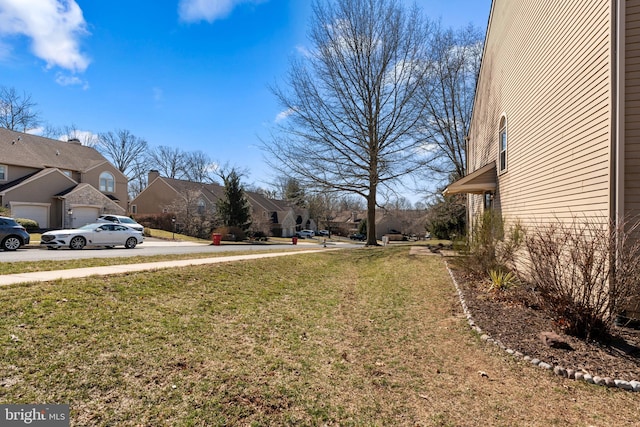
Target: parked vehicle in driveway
x,y
358,236
12,234
98,234
323,233
305,233
121,219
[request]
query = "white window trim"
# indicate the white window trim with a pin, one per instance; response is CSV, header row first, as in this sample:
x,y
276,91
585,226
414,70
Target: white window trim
x,y
6,173
503,129
106,187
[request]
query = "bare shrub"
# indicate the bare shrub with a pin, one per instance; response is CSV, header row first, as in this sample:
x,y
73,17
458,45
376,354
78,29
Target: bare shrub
x,y
586,271
489,248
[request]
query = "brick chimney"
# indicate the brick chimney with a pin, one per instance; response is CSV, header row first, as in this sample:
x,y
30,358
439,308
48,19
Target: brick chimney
x,y
153,174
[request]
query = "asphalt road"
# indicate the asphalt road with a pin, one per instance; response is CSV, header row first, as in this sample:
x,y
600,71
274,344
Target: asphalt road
x,y
150,247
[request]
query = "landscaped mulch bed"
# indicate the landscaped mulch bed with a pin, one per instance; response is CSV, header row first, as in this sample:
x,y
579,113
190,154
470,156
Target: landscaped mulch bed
x,y
509,318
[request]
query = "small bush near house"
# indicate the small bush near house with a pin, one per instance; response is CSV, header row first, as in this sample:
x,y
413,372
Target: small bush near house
x,y
157,221
479,252
587,272
259,235
231,234
29,224
276,232
500,280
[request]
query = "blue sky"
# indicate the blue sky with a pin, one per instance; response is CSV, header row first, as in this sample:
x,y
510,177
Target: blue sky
x,y
192,74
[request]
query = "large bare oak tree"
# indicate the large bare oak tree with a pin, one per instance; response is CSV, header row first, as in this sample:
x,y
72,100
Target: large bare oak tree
x,y
350,102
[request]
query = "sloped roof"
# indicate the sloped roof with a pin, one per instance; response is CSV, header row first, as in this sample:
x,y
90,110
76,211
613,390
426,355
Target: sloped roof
x,y
33,177
477,182
23,149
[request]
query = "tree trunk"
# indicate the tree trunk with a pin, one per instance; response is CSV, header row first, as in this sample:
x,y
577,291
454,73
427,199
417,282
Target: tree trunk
x,y
371,218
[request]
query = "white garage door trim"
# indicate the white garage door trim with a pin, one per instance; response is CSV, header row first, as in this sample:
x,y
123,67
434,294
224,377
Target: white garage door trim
x,y
83,215
38,212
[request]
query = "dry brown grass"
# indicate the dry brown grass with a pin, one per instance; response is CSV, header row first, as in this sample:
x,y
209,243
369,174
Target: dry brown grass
x,y
362,337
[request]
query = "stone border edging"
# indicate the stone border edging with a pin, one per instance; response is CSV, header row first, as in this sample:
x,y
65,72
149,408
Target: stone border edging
x,y
633,386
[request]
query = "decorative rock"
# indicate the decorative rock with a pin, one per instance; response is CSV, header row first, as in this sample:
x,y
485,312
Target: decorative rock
x,y
559,370
551,339
623,385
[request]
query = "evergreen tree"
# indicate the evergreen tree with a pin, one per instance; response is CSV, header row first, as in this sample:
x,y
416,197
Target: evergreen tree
x,y
295,194
233,208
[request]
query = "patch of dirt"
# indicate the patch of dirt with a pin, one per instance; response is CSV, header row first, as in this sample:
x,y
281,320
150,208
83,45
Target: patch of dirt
x,y
513,319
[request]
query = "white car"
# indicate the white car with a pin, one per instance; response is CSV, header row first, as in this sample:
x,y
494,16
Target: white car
x,y
305,233
99,234
121,219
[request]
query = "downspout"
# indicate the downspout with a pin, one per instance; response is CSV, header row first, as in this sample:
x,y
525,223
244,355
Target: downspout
x,y
617,210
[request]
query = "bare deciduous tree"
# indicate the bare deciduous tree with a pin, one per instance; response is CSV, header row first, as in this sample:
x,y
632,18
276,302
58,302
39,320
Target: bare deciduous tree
x,y
17,112
198,167
127,153
169,161
351,103
448,92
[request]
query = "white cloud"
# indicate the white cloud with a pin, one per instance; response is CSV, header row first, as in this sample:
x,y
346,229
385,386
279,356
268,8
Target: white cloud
x,y
65,80
283,115
55,28
208,10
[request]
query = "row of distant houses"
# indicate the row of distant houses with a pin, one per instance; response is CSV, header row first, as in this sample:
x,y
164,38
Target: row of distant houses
x,y
62,184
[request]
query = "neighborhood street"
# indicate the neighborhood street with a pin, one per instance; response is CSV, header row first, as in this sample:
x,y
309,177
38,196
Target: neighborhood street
x,y
152,247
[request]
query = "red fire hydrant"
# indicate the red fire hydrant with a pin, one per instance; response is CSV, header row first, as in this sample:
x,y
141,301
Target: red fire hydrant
x,y
217,238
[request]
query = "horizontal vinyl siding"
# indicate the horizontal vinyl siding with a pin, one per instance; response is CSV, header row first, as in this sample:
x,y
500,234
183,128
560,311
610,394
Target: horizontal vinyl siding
x,y
547,67
632,108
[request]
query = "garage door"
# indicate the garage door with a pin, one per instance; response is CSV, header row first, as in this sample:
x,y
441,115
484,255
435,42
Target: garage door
x,y
40,214
84,215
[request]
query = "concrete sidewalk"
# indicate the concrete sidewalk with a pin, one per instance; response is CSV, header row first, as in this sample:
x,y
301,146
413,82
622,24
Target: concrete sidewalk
x,y
47,276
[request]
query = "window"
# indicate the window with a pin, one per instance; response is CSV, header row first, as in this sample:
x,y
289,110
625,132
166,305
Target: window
x,y
488,200
107,183
3,173
134,209
201,206
67,173
502,145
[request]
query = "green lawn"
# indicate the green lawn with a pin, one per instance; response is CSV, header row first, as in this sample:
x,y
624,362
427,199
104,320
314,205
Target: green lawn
x,y
361,337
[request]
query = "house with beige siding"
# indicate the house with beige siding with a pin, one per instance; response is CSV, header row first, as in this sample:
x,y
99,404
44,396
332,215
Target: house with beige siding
x,y
58,184
555,130
162,194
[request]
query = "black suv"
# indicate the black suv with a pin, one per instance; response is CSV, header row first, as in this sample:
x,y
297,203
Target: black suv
x,y
12,234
